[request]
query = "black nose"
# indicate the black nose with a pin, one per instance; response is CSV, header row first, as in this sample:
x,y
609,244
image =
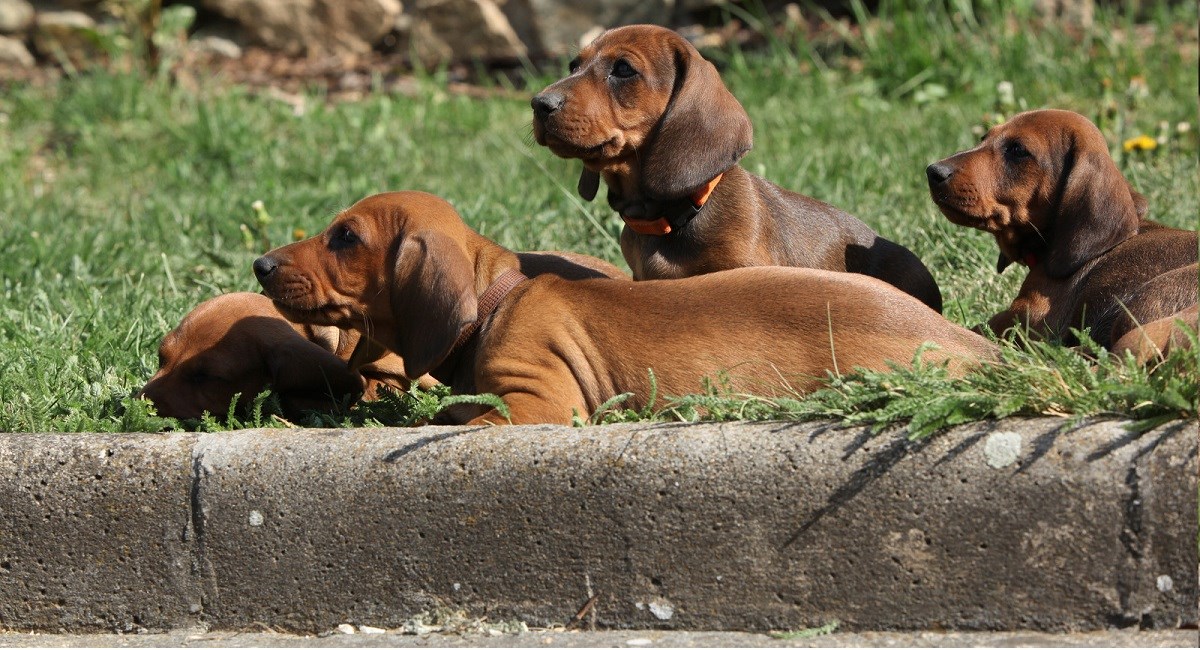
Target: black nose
x,y
264,266
938,173
546,103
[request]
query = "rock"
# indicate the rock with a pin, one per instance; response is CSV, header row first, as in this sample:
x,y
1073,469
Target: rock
x,y
69,35
216,46
14,53
312,26
220,38
16,16
555,27
462,30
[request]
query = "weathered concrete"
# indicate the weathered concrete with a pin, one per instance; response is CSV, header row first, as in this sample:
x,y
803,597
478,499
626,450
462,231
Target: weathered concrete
x,y
95,532
1016,525
612,639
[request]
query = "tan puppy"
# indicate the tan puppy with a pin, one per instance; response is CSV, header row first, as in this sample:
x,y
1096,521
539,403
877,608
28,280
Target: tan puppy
x,y
1045,186
239,343
452,304
642,109
1155,340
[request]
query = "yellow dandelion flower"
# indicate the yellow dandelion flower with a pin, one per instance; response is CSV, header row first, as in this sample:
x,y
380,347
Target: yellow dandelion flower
x,y
299,234
1140,143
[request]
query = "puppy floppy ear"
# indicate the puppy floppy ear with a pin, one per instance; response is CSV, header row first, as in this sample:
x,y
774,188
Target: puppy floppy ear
x,y
433,299
1002,262
1096,212
589,184
305,375
703,132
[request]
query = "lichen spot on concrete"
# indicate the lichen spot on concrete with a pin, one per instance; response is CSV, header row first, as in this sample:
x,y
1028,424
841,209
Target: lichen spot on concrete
x,y
662,609
256,518
1002,449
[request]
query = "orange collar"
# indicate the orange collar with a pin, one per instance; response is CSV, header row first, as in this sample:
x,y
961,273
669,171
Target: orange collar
x,y
661,226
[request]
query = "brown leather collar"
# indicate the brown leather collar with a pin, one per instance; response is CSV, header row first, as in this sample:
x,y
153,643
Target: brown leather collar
x,y
488,303
664,226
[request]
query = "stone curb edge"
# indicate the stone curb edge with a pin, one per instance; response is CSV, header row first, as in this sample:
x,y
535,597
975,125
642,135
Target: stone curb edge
x,y
1009,525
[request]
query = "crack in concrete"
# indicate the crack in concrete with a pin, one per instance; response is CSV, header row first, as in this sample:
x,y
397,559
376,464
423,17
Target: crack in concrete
x,y
1131,540
197,523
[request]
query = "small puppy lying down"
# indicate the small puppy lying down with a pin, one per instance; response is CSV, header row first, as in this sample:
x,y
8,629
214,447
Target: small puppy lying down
x,y
453,304
240,343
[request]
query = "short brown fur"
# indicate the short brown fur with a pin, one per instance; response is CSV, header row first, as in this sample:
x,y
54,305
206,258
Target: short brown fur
x,y
1043,184
240,343
658,135
556,347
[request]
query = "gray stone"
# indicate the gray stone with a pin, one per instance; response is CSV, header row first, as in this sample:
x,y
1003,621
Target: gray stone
x,y
312,26
16,16
69,35
558,27
768,526
462,30
13,52
216,45
96,532
559,638
711,526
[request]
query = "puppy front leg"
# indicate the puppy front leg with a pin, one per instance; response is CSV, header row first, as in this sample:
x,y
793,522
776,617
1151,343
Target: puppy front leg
x,y
1027,312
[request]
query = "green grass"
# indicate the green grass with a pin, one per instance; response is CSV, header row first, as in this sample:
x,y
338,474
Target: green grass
x,y
126,200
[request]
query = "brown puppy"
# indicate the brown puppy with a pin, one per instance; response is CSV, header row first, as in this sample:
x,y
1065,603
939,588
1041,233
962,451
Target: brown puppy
x,y
1154,340
1045,186
239,343
452,304
645,111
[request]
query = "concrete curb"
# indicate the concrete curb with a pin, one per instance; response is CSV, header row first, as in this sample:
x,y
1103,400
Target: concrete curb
x,y
1008,525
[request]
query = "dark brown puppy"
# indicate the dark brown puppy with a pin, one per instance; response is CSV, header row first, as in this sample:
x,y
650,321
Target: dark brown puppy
x,y
1044,185
240,343
642,109
452,304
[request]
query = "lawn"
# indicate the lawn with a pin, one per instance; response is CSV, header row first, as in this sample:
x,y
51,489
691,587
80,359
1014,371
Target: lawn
x,y
126,198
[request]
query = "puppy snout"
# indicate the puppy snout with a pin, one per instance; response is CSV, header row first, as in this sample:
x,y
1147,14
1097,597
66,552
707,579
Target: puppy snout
x,y
264,267
546,103
938,173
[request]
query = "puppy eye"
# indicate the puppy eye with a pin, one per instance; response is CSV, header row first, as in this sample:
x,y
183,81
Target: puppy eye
x,y
346,235
573,65
622,70
1015,151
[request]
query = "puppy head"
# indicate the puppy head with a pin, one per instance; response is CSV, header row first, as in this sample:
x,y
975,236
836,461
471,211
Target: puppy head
x,y
394,266
643,96
239,343
1043,181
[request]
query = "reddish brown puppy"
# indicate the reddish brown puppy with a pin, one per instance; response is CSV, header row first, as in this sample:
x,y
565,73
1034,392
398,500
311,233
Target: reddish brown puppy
x,y
454,304
1043,184
645,112
240,343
